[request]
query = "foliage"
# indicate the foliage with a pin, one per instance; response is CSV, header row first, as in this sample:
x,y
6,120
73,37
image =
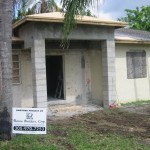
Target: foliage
x,y
71,9
138,18
21,8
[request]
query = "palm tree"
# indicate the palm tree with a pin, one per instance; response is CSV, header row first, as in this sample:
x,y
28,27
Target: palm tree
x,y
5,68
71,8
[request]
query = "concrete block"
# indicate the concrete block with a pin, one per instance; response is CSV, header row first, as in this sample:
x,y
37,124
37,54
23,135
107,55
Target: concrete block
x,y
39,60
39,82
40,77
39,88
42,105
40,65
39,93
41,99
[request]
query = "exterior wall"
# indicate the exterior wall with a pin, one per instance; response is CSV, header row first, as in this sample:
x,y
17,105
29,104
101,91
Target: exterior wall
x,y
73,78
22,92
77,80
96,77
131,89
73,88
34,33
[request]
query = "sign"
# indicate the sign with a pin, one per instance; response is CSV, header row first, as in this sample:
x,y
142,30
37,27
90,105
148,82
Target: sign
x,y
29,120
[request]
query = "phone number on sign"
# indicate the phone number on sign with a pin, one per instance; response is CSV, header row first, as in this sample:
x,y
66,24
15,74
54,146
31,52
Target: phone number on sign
x,y
26,128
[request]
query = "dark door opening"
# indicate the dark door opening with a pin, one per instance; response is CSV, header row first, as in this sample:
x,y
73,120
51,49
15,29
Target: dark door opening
x,y
54,73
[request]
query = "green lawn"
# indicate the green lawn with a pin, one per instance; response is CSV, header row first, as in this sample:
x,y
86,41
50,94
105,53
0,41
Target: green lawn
x,y
137,103
74,137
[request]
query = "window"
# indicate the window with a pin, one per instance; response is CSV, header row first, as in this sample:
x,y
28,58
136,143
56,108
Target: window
x,y
15,68
136,65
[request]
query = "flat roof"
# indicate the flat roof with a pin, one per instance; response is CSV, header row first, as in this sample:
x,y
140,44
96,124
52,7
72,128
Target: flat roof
x,y
59,17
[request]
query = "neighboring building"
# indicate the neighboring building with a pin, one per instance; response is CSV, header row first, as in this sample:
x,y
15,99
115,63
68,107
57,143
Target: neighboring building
x,y
85,72
132,65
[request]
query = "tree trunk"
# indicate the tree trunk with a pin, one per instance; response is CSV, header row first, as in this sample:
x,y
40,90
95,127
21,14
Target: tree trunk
x,y
6,69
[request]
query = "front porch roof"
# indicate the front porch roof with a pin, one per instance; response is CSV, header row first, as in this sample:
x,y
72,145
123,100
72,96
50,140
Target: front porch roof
x,y
59,17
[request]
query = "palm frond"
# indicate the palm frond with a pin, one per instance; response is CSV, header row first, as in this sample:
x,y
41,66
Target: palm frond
x,y
71,8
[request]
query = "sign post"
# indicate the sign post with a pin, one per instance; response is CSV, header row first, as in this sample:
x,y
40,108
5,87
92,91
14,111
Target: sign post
x,y
29,120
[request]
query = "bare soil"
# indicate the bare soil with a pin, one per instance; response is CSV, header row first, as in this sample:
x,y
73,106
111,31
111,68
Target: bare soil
x,y
133,121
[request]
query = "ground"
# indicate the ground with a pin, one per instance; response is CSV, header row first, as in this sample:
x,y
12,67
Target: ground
x,y
129,121
124,128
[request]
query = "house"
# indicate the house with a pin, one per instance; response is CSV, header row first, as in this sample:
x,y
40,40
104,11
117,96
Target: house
x,y
96,67
132,65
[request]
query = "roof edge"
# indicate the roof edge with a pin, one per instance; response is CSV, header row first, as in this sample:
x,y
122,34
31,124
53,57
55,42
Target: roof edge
x,y
60,20
121,41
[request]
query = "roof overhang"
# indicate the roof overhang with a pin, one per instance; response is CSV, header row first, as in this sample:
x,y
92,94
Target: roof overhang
x,y
57,17
130,40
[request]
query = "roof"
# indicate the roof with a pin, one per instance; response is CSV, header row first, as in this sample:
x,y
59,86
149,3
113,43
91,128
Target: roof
x,y
125,35
59,17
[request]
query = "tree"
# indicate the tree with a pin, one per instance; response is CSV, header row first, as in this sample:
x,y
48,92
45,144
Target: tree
x,y
138,18
5,68
21,8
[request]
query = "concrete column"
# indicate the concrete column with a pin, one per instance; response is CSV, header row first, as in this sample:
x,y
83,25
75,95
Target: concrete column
x,y
109,74
39,73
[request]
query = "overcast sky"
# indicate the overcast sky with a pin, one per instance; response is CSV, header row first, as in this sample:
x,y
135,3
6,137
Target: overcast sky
x,y
113,9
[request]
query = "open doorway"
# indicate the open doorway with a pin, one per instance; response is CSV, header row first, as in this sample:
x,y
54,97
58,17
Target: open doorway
x,y
54,73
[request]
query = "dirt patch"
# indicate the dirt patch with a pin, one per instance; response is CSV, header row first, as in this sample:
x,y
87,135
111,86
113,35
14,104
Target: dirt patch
x,y
128,121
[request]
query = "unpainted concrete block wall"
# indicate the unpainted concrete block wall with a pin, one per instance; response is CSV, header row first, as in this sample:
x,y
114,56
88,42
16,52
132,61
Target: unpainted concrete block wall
x,y
22,92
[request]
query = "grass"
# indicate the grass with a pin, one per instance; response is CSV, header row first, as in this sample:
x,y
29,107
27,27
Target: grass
x,y
137,103
75,137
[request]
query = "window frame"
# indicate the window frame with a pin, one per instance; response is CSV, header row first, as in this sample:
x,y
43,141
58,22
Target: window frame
x,y
19,69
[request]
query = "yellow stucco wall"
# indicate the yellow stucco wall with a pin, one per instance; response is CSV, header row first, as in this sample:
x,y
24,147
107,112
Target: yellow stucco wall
x,y
128,90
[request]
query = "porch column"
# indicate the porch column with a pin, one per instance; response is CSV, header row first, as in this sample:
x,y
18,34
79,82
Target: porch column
x,y
39,73
109,74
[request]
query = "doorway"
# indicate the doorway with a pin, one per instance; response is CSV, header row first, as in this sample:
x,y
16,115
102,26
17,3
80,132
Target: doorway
x,y
54,73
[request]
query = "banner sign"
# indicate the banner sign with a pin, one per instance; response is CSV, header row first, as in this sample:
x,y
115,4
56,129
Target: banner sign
x,y
29,120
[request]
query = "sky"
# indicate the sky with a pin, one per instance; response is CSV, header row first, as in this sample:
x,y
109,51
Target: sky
x,y
114,9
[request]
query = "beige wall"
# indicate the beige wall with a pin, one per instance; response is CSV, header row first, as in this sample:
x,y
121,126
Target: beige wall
x,y
128,90
22,92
